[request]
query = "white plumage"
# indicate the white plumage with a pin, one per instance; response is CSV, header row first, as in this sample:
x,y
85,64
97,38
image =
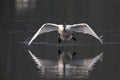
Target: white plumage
x,y
65,31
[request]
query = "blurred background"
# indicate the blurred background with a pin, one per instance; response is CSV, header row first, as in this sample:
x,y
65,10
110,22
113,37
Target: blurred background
x,y
20,19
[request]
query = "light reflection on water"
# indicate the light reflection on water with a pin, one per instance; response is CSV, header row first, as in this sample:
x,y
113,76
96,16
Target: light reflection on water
x,y
71,69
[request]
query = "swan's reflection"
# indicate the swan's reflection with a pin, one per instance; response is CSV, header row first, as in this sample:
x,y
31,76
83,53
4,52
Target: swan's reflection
x,y
66,66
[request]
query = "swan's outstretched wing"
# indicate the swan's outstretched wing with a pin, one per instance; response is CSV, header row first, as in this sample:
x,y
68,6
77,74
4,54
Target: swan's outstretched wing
x,y
84,28
45,28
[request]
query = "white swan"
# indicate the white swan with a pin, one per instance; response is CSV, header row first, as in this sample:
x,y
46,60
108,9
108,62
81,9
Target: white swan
x,y
65,31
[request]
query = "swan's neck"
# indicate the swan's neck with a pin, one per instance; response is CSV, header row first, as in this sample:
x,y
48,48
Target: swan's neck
x,y
62,30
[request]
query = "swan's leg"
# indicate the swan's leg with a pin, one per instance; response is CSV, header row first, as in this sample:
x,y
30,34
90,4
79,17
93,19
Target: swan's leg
x,y
59,39
73,55
73,37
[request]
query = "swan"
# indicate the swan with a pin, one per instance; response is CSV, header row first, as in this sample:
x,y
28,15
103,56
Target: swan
x,y
65,31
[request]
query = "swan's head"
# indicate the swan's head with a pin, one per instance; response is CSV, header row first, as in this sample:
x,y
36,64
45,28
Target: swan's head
x,y
64,25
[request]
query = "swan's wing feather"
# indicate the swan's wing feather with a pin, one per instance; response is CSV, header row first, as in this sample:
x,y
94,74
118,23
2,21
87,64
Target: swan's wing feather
x,y
84,28
48,27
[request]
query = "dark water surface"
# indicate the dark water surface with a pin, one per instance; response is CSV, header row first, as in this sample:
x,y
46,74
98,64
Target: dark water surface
x,y
20,19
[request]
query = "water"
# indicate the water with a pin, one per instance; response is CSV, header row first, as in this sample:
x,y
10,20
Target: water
x,y
93,61
17,60
72,69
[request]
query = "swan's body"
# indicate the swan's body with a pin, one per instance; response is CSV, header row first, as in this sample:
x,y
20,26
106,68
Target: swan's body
x,y
65,31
